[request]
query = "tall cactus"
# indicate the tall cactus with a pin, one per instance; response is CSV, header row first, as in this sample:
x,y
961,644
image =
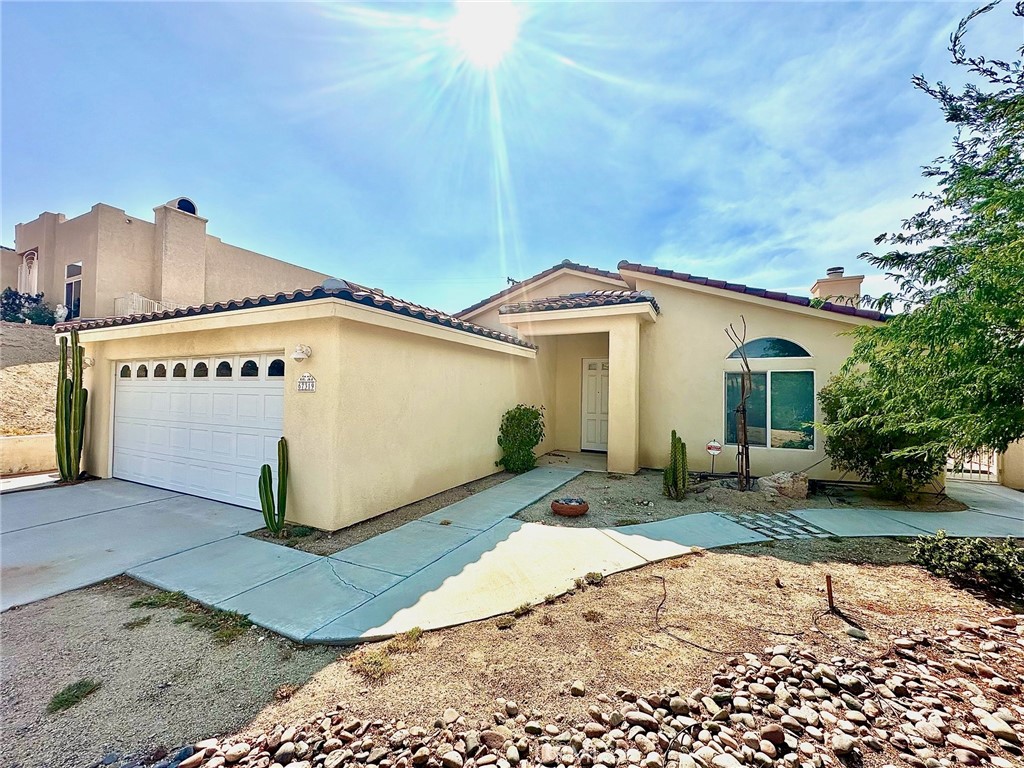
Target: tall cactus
x,y
274,514
72,398
676,478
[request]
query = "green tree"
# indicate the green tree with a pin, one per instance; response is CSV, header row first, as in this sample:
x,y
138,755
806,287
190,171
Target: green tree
x,y
949,370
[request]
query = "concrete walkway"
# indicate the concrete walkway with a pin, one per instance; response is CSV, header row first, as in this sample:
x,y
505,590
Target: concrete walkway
x,y
466,562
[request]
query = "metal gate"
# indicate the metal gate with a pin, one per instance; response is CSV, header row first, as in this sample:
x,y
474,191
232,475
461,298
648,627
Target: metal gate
x,y
982,466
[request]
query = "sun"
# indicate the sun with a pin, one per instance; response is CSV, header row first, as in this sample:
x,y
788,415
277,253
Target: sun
x,y
484,31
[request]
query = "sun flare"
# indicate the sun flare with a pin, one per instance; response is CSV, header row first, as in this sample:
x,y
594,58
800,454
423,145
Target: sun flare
x,y
484,31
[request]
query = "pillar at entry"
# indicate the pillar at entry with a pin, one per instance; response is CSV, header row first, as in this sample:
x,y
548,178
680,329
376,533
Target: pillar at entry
x,y
624,396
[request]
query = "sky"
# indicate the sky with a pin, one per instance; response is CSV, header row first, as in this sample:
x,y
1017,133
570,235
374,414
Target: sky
x,y
390,145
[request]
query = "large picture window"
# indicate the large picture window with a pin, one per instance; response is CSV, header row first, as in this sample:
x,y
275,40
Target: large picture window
x,y
780,409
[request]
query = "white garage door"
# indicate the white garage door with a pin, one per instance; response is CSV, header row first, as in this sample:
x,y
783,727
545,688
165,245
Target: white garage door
x,y
202,426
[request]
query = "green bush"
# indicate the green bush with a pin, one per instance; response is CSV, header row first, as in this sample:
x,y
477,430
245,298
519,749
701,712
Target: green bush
x,y
522,429
18,307
994,566
858,439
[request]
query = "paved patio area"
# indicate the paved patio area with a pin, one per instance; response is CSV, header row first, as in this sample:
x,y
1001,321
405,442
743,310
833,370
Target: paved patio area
x,y
463,563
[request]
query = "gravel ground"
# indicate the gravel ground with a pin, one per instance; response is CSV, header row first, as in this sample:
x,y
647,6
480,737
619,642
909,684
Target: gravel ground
x,y
324,543
606,636
27,405
163,684
631,499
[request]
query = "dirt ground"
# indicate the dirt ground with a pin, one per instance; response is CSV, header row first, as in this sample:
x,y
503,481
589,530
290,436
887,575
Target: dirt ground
x,y
29,393
631,499
324,543
715,604
21,344
163,684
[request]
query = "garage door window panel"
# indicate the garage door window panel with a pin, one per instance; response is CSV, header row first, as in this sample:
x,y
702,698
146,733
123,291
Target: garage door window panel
x,y
224,369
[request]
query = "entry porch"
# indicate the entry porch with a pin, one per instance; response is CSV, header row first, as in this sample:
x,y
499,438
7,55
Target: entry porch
x,y
596,360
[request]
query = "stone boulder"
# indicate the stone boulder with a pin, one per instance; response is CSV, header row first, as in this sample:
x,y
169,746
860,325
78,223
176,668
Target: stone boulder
x,y
792,485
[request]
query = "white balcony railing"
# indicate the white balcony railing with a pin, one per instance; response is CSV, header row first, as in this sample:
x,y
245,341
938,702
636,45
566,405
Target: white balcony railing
x,y
137,304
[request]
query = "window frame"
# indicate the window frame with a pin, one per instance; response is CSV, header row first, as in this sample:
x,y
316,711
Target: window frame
x,y
768,406
73,282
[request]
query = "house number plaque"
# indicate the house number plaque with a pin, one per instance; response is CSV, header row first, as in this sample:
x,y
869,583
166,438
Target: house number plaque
x,y
306,383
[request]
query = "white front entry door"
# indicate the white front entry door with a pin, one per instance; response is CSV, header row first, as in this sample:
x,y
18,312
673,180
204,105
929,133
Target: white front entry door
x,y
594,431
202,426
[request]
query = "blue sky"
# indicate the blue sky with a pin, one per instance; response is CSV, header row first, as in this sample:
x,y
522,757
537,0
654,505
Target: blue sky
x,y
755,142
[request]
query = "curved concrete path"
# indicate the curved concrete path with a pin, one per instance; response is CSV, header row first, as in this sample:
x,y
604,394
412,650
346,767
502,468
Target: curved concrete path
x,y
466,562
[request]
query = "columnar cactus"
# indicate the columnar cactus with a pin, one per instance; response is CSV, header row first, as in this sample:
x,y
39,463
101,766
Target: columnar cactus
x,y
72,398
273,515
676,478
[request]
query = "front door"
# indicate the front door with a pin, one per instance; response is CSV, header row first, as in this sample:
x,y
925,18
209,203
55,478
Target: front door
x,y
594,430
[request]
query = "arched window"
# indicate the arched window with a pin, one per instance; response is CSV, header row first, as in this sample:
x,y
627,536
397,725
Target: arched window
x,y
276,368
250,369
201,371
179,371
126,371
771,347
160,372
142,372
224,370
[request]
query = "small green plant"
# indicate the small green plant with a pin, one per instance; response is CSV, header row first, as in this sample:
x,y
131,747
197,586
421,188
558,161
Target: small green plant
x,y
523,610
505,622
299,531
676,478
994,566
69,423
549,599
407,642
273,516
139,622
72,694
522,430
162,600
594,578
224,625
374,666
580,583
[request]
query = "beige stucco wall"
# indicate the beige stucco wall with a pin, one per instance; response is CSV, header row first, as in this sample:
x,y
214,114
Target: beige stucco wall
x,y
570,352
233,272
1011,466
559,284
9,263
20,454
403,409
170,259
683,364
421,415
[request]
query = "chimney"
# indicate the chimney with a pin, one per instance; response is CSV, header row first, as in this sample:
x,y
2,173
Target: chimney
x,y
838,287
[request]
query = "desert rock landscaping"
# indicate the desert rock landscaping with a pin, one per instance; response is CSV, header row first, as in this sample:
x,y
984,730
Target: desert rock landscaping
x,y
933,698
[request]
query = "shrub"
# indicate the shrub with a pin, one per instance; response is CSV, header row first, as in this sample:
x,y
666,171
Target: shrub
x,y
372,665
505,622
522,429
994,566
857,439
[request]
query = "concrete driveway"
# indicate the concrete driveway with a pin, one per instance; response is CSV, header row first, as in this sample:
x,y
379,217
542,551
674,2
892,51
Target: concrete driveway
x,y
56,539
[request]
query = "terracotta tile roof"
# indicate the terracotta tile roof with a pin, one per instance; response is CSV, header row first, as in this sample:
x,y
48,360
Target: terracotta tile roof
x,y
580,300
540,275
763,293
343,290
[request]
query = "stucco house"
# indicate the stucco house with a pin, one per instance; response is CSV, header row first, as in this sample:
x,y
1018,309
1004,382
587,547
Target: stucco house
x,y
385,402
109,263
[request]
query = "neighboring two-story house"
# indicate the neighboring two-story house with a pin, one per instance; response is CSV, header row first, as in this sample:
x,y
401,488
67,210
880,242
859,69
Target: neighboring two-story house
x,y
108,263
